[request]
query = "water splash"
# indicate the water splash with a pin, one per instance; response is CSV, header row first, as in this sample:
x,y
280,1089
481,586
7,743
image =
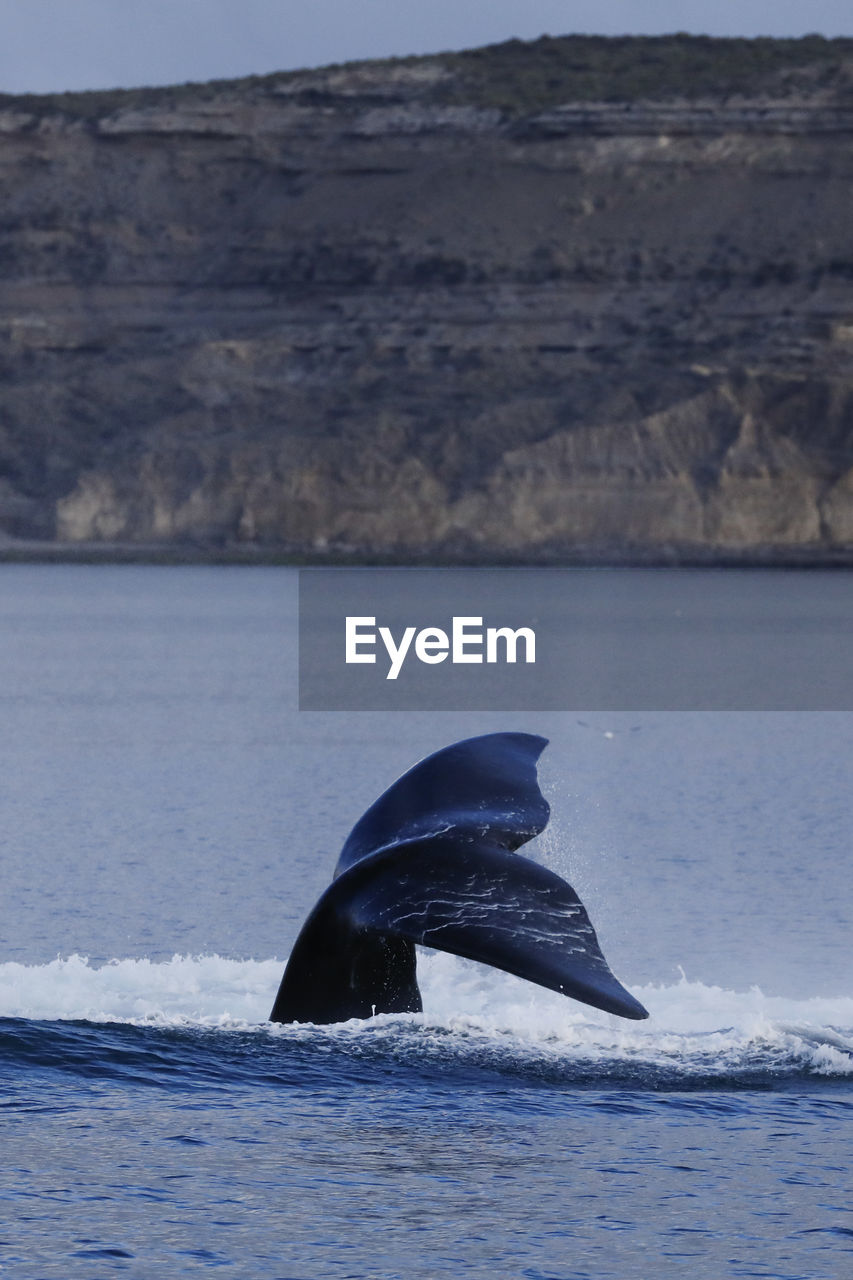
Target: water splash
x,y
208,991
472,1014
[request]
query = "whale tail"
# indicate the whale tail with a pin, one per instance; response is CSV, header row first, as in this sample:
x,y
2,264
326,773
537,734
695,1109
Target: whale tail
x,y
433,862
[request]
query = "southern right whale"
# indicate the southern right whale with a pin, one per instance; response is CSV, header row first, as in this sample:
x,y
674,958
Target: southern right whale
x,y
433,862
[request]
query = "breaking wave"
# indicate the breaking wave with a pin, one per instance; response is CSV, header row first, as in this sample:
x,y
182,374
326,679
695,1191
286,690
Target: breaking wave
x,y
205,1017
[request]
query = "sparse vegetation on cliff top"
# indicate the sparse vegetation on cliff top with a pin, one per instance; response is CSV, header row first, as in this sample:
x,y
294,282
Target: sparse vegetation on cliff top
x,y
524,77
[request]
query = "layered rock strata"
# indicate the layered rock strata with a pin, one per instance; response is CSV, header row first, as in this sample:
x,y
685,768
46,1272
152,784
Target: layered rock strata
x,y
378,311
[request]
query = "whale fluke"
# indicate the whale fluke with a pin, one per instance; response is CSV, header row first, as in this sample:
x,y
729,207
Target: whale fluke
x,y
433,862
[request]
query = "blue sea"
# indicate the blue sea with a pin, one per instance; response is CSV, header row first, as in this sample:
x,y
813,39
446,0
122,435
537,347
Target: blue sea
x,y
168,819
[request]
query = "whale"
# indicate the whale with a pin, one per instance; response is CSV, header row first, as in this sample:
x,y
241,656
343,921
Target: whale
x,y
434,862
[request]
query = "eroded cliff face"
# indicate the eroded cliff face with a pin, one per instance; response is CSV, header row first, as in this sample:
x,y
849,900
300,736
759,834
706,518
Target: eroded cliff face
x,y
369,311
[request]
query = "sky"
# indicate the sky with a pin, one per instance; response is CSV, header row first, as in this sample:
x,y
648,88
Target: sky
x,y
53,45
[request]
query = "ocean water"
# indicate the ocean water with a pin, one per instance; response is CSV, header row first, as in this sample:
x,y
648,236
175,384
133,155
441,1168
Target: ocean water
x,y
168,819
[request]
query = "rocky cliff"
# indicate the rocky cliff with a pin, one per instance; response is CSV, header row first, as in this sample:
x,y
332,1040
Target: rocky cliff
x,y
575,298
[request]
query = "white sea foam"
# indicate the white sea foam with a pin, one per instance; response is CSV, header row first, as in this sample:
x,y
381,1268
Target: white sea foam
x,y
710,1026
690,1022
207,990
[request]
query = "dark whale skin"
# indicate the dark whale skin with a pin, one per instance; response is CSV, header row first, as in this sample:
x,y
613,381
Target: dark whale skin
x,y
433,862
